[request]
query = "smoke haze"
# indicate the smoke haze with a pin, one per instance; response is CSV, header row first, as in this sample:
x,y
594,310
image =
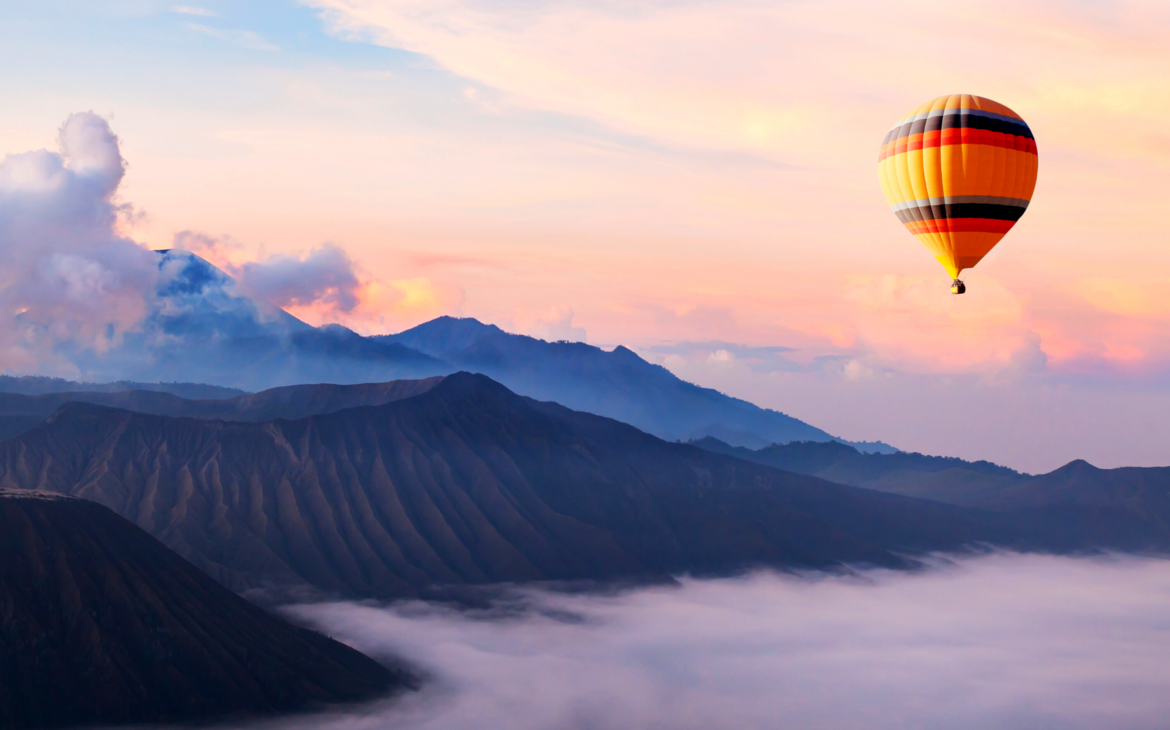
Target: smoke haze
x,y
68,276
1004,641
80,299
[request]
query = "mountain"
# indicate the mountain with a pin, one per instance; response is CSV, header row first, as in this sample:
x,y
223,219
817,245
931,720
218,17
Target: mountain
x,y
1101,505
1081,483
201,328
38,385
463,483
945,479
103,624
616,384
20,413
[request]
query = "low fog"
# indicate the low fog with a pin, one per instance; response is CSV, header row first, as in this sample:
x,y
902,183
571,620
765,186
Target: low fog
x,y
1005,641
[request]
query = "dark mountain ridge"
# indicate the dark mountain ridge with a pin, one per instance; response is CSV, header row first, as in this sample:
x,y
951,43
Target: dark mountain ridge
x,y
1138,495
102,624
903,472
19,413
1080,483
463,483
41,385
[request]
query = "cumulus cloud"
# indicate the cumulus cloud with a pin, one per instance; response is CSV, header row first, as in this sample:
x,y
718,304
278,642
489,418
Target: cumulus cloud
x,y
325,286
1005,641
766,359
326,275
69,276
553,325
192,10
243,38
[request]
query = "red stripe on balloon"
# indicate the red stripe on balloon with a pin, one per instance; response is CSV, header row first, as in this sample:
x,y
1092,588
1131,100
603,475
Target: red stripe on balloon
x,y
945,137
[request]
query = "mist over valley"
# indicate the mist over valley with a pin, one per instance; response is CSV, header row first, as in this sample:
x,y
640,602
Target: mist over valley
x,y
1001,640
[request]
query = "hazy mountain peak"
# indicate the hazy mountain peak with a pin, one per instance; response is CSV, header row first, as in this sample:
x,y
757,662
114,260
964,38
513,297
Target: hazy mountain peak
x,y
201,327
445,334
1077,465
195,296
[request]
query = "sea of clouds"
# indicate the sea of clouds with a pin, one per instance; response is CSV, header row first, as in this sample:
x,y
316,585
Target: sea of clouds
x,y
1003,641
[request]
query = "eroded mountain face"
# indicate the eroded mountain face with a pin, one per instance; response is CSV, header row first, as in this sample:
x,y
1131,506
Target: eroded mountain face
x,y
464,483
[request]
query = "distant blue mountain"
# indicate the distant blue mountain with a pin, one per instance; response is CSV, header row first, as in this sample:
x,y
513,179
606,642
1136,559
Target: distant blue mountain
x,y
616,384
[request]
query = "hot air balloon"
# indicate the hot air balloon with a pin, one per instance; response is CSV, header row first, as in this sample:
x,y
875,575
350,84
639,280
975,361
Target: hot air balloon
x,y
959,172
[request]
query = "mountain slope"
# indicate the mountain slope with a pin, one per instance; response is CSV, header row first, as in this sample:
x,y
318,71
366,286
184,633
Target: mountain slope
x,y
464,483
616,384
19,413
102,624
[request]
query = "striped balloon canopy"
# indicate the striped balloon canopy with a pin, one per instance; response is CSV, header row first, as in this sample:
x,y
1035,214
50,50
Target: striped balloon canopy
x,y
959,172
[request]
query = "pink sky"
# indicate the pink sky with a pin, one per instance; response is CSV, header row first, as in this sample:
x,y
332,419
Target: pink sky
x,y
669,172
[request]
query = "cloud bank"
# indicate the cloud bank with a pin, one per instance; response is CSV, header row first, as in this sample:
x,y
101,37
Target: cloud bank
x,y
1004,641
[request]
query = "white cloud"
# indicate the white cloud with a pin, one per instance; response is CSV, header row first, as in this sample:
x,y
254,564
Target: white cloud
x,y
773,76
553,325
242,38
857,370
193,10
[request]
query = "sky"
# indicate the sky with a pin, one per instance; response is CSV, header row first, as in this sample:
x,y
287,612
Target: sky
x,y
1005,641
695,180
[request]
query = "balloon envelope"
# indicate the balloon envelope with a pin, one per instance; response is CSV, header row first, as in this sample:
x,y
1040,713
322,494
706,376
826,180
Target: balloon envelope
x,y
959,171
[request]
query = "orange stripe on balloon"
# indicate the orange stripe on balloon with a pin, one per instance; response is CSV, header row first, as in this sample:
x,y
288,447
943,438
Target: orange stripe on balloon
x,y
960,225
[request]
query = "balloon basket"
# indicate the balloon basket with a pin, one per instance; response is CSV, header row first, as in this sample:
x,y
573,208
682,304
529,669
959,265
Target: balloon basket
x,y
958,287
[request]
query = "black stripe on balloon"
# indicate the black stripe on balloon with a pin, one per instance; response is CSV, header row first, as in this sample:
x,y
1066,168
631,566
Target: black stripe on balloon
x,y
944,211
961,121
